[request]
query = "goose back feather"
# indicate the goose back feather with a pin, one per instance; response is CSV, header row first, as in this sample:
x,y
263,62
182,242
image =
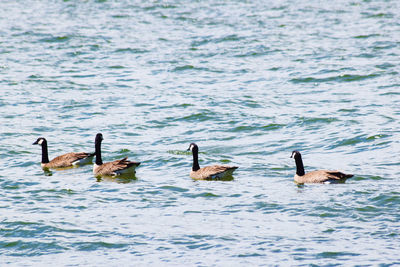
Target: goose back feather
x,y
213,172
70,159
116,167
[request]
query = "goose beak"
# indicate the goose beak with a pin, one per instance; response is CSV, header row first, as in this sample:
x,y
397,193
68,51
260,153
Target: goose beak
x,y
35,143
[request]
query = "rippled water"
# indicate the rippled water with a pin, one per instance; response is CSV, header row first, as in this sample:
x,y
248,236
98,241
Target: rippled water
x,y
248,81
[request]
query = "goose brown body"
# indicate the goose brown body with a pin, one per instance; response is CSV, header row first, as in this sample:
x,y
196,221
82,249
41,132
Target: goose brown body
x,y
112,168
69,159
62,161
322,176
208,172
319,176
213,172
116,167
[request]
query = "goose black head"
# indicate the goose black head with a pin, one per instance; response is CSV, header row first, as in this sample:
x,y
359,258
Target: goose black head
x,y
295,154
40,141
192,147
99,137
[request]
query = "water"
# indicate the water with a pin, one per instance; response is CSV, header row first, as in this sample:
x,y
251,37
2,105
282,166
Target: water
x,y
248,81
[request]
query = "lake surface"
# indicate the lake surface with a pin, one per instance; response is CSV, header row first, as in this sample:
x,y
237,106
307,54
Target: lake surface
x,y
249,82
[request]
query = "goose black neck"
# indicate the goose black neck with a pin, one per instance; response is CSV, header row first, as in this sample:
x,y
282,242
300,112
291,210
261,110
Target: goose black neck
x,y
195,152
98,152
299,165
45,153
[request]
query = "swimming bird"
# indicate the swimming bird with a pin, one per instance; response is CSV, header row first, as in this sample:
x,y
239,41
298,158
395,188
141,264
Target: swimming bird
x,y
208,172
319,176
66,160
112,168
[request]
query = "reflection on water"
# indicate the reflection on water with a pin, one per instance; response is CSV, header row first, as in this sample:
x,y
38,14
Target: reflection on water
x,y
124,178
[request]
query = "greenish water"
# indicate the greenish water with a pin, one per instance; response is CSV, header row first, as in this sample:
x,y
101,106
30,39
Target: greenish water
x,y
248,81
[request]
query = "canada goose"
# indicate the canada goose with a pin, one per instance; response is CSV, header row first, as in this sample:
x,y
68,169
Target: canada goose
x,y
66,160
112,168
319,176
209,172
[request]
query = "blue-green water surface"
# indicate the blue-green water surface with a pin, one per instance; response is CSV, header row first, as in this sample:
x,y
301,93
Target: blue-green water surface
x,y
248,81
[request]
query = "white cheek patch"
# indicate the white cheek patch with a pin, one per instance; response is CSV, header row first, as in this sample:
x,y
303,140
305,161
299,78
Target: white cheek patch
x,y
191,147
40,142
